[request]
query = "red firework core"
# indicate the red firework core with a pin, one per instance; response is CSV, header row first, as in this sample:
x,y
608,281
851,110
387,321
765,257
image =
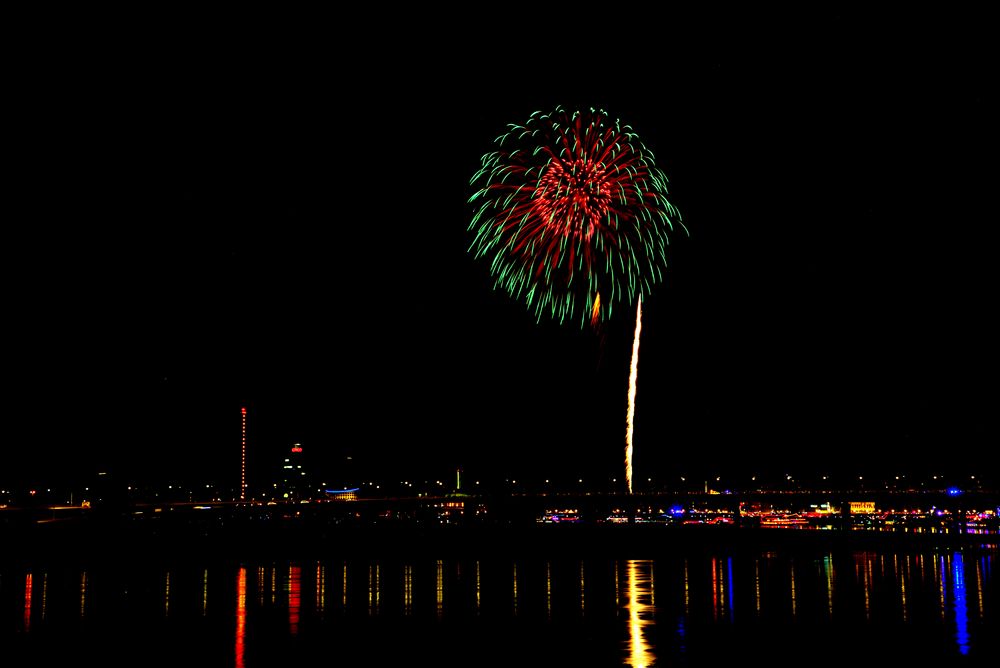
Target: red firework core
x,y
574,195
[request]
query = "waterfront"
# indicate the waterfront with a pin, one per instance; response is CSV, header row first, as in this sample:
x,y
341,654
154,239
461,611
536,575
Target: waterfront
x,y
692,605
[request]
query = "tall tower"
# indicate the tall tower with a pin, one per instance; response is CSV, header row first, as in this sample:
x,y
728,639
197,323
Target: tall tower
x,y
243,454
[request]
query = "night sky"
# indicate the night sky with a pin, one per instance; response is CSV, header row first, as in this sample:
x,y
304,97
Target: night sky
x,y
281,223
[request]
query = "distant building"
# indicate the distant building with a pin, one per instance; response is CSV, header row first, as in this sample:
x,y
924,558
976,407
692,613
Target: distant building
x,y
862,507
350,494
294,481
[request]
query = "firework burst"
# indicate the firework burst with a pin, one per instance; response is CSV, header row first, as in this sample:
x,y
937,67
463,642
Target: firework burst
x,y
572,214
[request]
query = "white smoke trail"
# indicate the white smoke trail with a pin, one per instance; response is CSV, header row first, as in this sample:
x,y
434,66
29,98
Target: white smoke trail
x,y
632,376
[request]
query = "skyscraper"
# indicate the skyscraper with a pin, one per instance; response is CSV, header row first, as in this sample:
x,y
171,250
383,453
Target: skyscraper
x,y
294,481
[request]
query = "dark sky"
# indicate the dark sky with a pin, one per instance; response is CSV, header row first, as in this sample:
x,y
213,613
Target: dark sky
x,y
280,223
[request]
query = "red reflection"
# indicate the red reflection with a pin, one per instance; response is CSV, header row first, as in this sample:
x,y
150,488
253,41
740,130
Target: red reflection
x,y
27,602
294,597
241,615
715,590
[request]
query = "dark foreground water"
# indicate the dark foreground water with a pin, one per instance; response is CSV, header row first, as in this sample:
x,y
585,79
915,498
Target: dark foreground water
x,y
700,608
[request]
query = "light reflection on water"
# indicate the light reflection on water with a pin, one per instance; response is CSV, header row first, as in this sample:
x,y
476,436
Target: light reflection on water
x,y
651,610
83,594
241,616
28,584
295,597
958,600
638,580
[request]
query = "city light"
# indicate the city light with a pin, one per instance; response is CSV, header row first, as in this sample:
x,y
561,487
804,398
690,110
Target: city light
x,y
243,454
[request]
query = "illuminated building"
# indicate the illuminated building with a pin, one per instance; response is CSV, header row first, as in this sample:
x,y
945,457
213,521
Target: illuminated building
x,y
350,494
862,507
294,484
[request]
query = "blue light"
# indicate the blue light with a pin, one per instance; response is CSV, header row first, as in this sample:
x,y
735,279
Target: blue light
x,y
954,491
958,599
677,510
729,566
342,491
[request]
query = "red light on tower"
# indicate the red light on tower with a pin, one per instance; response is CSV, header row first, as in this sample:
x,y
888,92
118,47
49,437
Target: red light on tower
x,y
243,455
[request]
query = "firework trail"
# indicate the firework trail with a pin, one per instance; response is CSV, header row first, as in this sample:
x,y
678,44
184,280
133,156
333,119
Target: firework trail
x,y
633,376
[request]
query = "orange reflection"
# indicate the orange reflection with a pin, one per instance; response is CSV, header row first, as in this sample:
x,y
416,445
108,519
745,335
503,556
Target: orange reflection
x,y
440,588
320,588
582,583
861,572
618,598
371,595
652,586
869,583
477,587
294,598
979,584
515,587
45,588
828,569
756,583
166,596
241,615
901,575
939,580
407,589
204,592
83,593
548,588
687,591
792,567
639,612
27,602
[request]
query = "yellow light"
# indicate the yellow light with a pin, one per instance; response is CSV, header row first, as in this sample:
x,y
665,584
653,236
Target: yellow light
x,y
638,612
